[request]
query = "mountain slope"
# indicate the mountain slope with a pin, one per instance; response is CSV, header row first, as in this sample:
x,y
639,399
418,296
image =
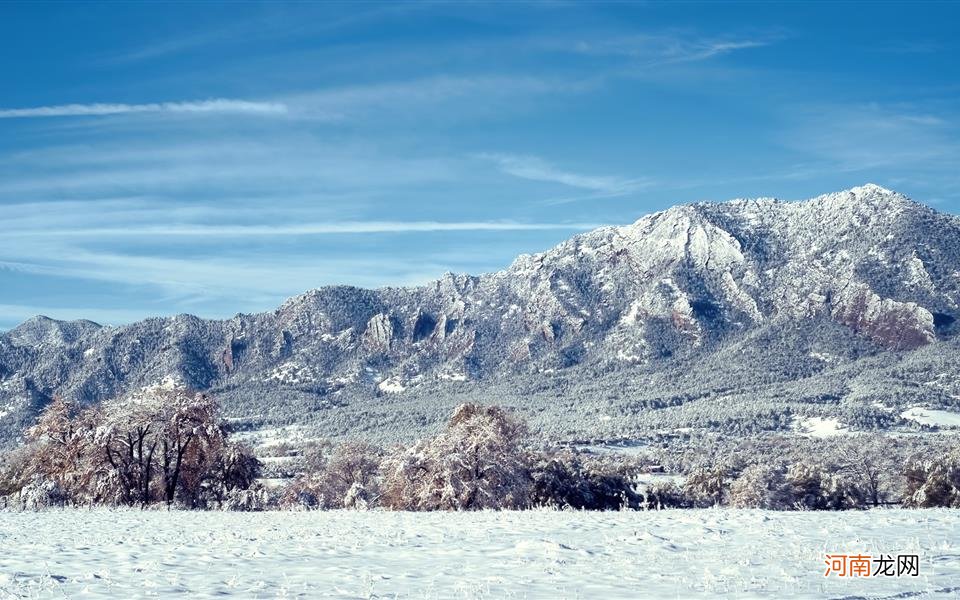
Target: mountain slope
x,y
851,275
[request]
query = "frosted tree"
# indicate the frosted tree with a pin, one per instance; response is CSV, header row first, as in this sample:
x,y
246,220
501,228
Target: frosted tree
x,y
234,472
933,482
570,479
345,477
705,486
352,474
15,467
162,443
59,443
760,486
659,495
129,436
870,467
477,462
190,440
821,487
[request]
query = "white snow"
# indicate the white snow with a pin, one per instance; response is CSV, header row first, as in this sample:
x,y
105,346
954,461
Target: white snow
x,y
628,448
819,427
630,316
918,275
11,405
822,356
344,379
292,373
931,416
391,385
452,376
166,383
260,438
276,460
541,554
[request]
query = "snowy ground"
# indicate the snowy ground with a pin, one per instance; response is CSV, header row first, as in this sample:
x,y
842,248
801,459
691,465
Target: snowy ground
x,y
930,416
541,554
819,427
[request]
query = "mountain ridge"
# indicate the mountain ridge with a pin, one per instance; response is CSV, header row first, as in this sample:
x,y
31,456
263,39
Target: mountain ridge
x,y
672,286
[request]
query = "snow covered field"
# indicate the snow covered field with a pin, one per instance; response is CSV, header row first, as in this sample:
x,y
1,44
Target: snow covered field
x,y
539,554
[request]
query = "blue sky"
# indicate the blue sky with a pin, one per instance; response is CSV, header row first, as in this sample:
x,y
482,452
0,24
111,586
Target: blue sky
x,y
218,158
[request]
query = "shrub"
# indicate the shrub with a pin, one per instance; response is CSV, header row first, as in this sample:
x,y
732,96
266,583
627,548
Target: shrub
x,y
253,498
15,470
234,471
38,494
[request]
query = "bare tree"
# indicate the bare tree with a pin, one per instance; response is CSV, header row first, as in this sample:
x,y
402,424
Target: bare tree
x,y
235,469
871,468
190,440
129,438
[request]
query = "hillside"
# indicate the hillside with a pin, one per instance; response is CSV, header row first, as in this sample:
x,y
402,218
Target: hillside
x,y
739,316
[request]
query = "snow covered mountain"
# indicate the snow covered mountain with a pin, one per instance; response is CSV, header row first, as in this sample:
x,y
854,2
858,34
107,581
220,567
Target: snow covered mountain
x,y
683,299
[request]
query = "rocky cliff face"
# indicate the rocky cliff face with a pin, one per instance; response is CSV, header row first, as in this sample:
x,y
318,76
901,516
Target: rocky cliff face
x,y
688,281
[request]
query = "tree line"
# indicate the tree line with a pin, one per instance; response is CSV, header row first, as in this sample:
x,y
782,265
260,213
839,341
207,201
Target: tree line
x,y
168,446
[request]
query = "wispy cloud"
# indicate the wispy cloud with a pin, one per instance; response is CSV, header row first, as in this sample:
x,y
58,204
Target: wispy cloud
x,y
305,229
457,95
537,169
217,105
273,277
287,163
195,255
440,97
280,23
243,283
869,136
661,49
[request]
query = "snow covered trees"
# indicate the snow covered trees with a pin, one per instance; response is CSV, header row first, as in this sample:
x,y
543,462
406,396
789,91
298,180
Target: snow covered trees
x,y
162,444
159,444
933,482
760,486
705,487
165,444
477,462
346,476
567,479
869,466
233,473
60,441
481,460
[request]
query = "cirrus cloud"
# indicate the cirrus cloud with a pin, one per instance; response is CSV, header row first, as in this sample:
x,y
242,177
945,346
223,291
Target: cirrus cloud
x,y
215,105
